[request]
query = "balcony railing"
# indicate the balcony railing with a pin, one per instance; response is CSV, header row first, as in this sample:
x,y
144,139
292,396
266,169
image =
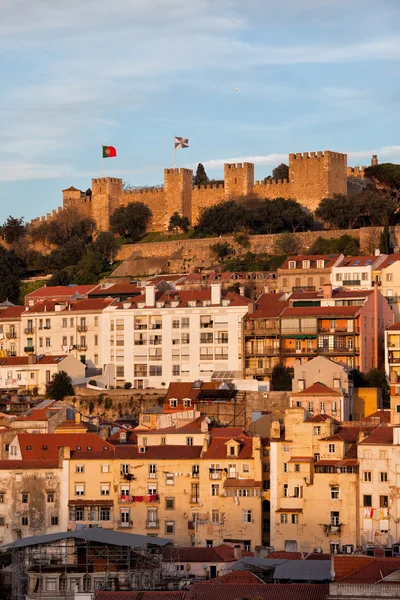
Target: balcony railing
x,y
299,351
140,326
304,288
82,328
81,347
140,342
341,350
351,282
155,357
253,328
333,529
155,342
299,331
29,330
260,372
11,335
343,330
206,357
153,524
207,325
124,524
29,349
266,351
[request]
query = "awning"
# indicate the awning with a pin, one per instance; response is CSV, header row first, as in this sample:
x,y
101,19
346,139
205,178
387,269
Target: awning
x,y
289,510
301,459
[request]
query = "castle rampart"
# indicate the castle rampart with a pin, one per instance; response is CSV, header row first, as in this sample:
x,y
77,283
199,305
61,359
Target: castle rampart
x,y
312,177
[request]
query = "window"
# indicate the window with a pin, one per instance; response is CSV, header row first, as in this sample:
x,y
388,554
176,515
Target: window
x,y
247,516
246,468
331,448
367,500
176,370
209,543
320,264
306,264
170,503
383,477
152,489
24,498
175,324
50,497
295,519
322,408
64,322
24,521
104,489
96,321
383,501
105,513
292,264
215,489
310,406
367,454
189,441
169,527
297,492
169,478
96,340
79,489
335,518
317,430
2,495
54,520
335,492
125,515
105,468
367,476
283,518
297,468
383,454
285,467
285,490
80,468
317,456
152,471
51,585
48,342
232,451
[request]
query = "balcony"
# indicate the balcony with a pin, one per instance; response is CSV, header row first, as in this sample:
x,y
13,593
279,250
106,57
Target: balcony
x,y
153,524
195,474
82,328
140,342
332,529
29,331
299,351
266,351
342,330
260,372
287,331
140,326
125,524
304,288
82,347
155,342
208,325
11,335
340,350
155,326
346,282
155,357
29,349
254,329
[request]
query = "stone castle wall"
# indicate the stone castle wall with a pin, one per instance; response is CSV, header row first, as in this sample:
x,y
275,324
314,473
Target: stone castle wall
x,y
312,176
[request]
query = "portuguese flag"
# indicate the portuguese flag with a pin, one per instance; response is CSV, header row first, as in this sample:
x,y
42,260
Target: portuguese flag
x,y
109,152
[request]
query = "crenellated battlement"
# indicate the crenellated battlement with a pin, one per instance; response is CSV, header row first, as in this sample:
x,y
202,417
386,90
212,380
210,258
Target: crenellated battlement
x,y
245,165
107,180
209,186
143,191
317,155
267,182
180,171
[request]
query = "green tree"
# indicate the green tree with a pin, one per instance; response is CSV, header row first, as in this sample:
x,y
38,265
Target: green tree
x,y
106,244
377,378
89,268
339,212
60,386
222,218
281,379
131,221
286,243
201,176
281,172
11,273
222,249
66,225
242,239
386,177
68,254
13,230
384,240
177,222
345,244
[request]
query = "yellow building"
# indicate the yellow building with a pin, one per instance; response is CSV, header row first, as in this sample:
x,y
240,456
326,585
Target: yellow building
x,y
194,486
314,474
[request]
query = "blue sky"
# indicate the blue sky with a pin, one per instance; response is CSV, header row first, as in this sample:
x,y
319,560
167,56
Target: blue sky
x,y
311,74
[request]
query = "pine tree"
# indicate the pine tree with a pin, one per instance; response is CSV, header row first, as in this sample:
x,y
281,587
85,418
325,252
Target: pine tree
x,y
201,175
384,240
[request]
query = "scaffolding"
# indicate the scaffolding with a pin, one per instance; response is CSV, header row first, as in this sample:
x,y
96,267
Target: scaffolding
x,y
58,565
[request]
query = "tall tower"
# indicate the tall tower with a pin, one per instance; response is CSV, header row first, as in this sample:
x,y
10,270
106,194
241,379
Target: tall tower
x,y
106,195
238,179
178,185
374,160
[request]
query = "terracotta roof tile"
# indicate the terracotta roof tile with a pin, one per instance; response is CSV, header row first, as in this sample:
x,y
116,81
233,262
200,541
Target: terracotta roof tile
x,y
348,261
329,260
318,389
47,445
235,577
380,435
184,296
223,553
60,290
374,571
12,312
382,415
268,306
344,565
392,258
241,483
151,595
218,448
319,419
394,327
29,464
205,591
23,360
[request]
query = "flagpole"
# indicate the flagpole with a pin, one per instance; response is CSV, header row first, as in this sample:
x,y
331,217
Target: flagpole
x,y
102,163
174,153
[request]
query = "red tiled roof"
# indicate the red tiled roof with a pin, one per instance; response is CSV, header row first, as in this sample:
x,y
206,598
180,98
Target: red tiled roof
x,y
185,296
380,435
12,312
268,306
241,483
60,290
228,432
157,452
329,260
290,591
345,462
80,305
374,571
336,294
40,414
23,360
150,595
299,556
382,415
320,311
346,564
223,553
317,389
115,289
394,327
392,258
47,445
348,261
181,390
218,448
131,437
346,434
241,577
29,464
319,419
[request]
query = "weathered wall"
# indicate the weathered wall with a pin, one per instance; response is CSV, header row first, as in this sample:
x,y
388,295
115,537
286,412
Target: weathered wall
x,y
154,198
204,196
106,193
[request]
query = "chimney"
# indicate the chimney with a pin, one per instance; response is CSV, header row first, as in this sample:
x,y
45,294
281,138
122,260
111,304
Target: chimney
x,y
77,417
216,294
237,552
103,433
266,289
150,293
205,443
374,160
241,290
122,437
31,359
66,452
275,431
327,290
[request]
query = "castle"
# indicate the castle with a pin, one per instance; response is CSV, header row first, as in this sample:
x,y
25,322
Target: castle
x,y
312,176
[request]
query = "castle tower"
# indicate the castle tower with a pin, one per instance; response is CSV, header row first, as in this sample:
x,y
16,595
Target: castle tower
x,y
178,185
72,197
317,175
374,160
106,194
238,179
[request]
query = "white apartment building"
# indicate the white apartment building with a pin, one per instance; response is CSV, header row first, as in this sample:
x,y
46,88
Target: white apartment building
x,y
161,337
356,272
10,329
54,328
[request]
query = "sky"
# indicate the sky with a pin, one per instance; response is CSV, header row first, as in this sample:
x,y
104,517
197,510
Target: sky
x,y
311,75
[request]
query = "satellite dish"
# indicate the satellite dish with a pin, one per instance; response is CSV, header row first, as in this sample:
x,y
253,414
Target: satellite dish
x,y
235,89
